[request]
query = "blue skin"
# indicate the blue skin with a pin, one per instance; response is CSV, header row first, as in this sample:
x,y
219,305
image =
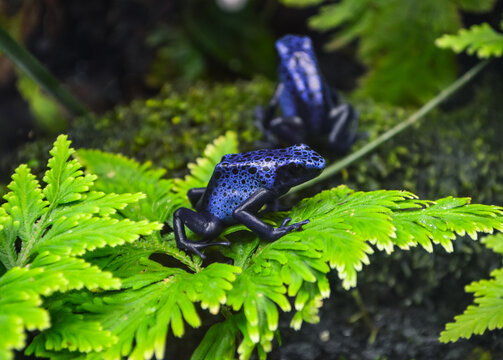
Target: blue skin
x,y
310,108
240,186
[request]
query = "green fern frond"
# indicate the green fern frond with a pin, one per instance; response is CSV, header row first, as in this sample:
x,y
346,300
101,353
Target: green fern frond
x,y
158,298
149,299
202,169
25,202
441,221
21,291
79,233
118,174
395,40
494,243
480,40
52,225
65,180
219,342
70,332
487,312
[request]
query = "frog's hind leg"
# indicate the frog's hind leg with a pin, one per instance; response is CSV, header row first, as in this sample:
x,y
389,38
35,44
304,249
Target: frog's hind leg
x,y
202,223
342,128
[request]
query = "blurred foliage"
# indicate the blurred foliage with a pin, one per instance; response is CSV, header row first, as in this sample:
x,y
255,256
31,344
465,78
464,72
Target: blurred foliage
x,y
49,116
455,152
196,48
396,42
481,40
175,57
486,313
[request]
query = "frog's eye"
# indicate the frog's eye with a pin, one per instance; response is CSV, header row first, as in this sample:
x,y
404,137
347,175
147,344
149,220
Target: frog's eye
x,y
282,48
295,169
306,44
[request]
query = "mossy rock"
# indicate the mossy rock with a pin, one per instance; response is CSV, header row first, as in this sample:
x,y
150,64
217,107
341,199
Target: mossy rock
x,y
456,152
169,130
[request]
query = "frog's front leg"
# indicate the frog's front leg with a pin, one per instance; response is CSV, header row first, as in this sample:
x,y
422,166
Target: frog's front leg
x,y
342,127
246,214
202,223
290,129
264,115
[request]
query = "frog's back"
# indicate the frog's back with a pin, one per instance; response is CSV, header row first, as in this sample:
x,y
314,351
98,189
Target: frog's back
x,y
238,176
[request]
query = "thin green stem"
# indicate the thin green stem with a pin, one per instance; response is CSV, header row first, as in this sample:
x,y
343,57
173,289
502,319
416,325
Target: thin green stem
x,y
36,71
418,115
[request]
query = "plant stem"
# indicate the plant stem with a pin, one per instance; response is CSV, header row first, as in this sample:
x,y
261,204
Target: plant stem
x,y
365,316
36,71
426,108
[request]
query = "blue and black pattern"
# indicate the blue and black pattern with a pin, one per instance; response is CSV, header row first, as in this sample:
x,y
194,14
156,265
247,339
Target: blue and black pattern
x,y
302,92
238,176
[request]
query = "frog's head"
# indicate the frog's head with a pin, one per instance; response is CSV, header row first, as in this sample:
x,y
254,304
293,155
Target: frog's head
x,y
299,165
298,63
289,45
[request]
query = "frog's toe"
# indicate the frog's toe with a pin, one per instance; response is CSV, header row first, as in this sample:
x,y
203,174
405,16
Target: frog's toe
x,y
221,243
298,226
286,221
194,249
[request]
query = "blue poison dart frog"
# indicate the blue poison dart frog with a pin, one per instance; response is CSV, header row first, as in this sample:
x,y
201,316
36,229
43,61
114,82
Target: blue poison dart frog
x,y
240,186
310,108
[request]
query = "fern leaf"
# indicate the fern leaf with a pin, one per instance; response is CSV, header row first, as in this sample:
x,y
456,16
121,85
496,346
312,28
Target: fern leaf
x,y
70,332
96,202
397,219
118,174
494,243
25,202
444,219
167,300
481,40
21,290
219,342
8,236
344,229
81,232
202,169
65,182
258,291
53,225
487,312
77,273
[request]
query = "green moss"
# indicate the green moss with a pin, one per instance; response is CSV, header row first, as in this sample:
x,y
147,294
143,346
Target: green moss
x,y
169,129
173,128
456,152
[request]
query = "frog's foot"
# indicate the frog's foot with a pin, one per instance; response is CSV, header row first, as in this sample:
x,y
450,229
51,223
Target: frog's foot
x,y
285,229
296,226
195,247
290,129
202,223
343,127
